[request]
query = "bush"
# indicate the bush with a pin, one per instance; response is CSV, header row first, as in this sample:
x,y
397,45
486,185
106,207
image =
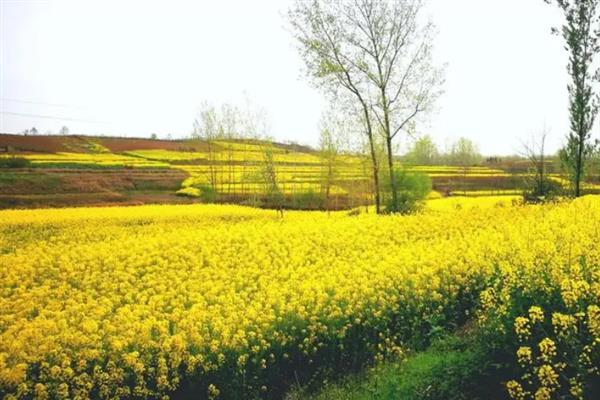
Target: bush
x,y
274,198
308,200
538,192
413,188
206,193
14,162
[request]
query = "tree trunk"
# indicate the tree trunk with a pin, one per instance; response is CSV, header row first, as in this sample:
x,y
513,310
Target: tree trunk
x,y
211,171
375,174
329,181
388,141
390,160
373,157
578,167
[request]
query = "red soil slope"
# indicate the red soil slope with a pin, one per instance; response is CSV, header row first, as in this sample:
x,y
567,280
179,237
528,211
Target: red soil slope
x,y
79,143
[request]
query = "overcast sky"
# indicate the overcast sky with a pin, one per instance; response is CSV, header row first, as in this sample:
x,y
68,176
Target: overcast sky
x,y
137,67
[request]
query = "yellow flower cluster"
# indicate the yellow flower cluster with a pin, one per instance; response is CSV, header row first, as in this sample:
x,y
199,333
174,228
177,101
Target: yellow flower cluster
x,y
135,302
559,356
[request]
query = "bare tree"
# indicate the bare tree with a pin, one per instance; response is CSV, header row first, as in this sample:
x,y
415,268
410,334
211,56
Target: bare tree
x,y
534,151
273,193
226,131
254,127
229,123
331,61
333,134
206,128
464,154
379,53
397,61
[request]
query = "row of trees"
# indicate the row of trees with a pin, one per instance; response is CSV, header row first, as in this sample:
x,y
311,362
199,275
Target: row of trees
x,y
374,60
34,131
463,153
230,134
218,127
227,129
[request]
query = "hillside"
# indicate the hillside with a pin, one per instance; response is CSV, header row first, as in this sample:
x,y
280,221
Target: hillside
x,y
85,170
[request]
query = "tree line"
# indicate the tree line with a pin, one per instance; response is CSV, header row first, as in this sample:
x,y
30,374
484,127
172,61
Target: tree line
x,y
373,60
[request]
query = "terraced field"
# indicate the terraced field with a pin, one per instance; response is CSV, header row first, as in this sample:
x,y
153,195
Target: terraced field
x,y
133,171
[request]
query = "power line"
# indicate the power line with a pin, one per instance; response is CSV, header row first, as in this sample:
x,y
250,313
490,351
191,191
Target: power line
x,y
36,102
51,117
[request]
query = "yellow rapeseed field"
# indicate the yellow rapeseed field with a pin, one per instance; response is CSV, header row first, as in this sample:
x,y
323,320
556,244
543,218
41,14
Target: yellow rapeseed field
x,y
234,302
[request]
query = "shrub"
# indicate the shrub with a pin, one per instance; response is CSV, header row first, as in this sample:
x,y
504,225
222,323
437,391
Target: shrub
x,y
539,192
188,192
413,188
308,200
274,198
14,162
206,193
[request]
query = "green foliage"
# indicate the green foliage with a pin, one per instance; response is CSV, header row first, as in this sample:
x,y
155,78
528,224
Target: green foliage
x,y
308,200
413,188
569,157
422,152
454,368
539,192
14,162
274,197
204,192
464,152
582,42
189,191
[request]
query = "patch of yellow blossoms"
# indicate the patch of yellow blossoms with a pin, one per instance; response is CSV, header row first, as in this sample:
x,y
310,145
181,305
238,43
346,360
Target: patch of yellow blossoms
x,y
140,301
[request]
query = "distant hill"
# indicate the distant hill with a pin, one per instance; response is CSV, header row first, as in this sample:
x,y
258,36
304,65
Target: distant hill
x,y
71,170
85,144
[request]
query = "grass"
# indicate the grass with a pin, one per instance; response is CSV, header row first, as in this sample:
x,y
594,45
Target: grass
x,y
453,368
37,180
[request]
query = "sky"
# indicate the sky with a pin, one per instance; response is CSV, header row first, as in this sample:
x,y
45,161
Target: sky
x,y
133,68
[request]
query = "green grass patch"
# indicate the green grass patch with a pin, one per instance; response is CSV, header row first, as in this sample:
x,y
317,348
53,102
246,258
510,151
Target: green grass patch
x,y
453,368
41,180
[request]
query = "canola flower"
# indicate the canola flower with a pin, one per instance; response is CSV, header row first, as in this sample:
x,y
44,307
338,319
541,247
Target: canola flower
x,y
103,159
139,302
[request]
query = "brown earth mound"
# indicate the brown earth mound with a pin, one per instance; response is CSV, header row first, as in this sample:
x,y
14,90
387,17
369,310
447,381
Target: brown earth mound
x,y
50,181
81,144
129,144
40,143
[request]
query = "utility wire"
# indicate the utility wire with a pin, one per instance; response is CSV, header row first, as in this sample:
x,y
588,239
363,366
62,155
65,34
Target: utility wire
x,y
51,117
36,102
